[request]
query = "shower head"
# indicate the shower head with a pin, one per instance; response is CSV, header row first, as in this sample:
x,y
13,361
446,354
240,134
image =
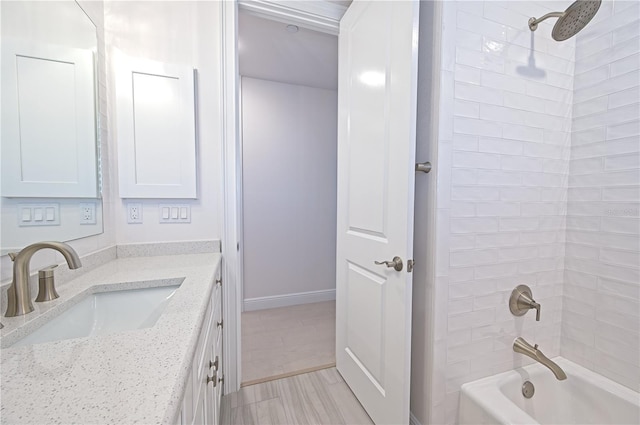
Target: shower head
x,y
571,21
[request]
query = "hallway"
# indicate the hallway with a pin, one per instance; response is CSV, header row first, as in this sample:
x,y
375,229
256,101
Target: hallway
x,y
285,341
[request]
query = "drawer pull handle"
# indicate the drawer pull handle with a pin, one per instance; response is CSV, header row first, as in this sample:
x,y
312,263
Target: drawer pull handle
x,y
214,364
213,379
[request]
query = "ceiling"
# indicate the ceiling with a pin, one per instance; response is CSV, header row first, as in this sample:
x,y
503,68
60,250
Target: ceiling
x,y
268,51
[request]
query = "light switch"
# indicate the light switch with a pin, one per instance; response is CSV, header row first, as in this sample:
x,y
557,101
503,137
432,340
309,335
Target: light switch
x,y
50,214
45,214
26,214
174,213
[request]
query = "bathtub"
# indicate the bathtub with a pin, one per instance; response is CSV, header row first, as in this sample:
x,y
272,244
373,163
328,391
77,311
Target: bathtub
x,y
583,398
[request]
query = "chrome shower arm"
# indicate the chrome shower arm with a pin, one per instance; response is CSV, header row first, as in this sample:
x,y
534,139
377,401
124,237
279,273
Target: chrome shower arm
x,y
533,22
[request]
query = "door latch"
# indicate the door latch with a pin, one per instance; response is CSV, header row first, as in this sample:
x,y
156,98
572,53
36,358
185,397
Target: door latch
x,y
396,263
410,264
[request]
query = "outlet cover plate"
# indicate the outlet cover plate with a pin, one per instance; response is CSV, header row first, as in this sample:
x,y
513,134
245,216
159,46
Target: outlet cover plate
x,y
134,213
87,213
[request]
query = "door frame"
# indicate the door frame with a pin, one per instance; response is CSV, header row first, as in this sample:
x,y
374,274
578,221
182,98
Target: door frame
x,y
311,15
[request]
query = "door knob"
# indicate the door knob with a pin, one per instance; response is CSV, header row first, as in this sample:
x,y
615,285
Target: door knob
x,y
396,263
425,167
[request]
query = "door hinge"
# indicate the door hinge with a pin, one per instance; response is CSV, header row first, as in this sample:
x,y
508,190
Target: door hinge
x,y
410,264
219,281
221,324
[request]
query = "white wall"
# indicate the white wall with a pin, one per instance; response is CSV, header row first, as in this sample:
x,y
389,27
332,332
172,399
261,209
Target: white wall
x,y
501,169
289,188
601,307
269,52
181,32
538,183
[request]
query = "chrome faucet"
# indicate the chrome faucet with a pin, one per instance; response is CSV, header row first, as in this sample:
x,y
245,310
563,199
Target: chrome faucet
x,y
19,294
523,347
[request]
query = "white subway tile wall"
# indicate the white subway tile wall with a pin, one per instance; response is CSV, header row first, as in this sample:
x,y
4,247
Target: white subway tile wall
x,y
601,300
503,173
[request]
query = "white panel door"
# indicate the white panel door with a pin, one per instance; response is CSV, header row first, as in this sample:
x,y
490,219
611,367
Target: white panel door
x,y
376,154
48,121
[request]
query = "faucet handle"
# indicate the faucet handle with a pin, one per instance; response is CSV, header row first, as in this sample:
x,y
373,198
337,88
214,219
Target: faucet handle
x,y
521,301
13,255
537,307
46,285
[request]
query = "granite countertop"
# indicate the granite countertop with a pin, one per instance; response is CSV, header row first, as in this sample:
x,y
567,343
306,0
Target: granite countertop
x,y
135,376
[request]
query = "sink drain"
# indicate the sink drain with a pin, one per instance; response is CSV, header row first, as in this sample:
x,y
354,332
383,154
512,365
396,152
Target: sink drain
x,y
528,389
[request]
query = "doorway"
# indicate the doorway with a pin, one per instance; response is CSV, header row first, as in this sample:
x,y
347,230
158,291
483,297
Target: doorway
x,y
232,196
288,109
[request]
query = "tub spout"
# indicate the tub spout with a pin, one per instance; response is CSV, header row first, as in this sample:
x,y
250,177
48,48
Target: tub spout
x,y
523,347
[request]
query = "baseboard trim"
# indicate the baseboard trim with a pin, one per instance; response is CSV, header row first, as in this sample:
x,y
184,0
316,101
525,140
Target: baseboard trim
x,y
413,420
263,303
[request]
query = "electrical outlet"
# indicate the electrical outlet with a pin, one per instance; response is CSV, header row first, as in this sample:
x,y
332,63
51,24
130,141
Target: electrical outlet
x,y
87,213
134,213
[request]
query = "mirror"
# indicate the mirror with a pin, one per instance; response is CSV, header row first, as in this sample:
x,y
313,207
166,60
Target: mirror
x,y
49,175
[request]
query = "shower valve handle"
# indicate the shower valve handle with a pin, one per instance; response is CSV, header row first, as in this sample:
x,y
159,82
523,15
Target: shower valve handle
x,y
521,301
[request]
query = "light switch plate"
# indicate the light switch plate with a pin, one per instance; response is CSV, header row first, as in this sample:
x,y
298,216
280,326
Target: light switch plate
x,y
174,213
38,214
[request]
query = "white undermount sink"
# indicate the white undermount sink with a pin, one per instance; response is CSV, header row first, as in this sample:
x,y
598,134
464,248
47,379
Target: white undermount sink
x,y
104,313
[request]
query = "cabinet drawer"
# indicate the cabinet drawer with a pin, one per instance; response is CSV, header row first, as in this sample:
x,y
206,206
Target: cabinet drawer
x,y
203,352
217,353
199,357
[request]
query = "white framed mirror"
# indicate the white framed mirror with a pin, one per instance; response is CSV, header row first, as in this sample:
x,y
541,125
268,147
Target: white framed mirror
x,y
50,186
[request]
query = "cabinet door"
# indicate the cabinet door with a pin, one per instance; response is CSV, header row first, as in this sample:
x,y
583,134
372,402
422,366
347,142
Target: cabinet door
x,y
203,412
218,390
209,382
156,129
207,390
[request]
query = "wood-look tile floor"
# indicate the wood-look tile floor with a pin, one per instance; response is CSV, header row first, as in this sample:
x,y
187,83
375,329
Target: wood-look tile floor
x,y
316,398
283,341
